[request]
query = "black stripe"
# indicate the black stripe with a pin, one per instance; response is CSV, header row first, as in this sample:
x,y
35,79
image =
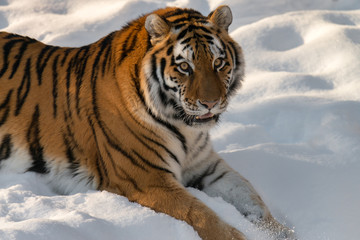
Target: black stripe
x,y
18,58
122,151
163,97
135,120
202,147
124,46
178,26
103,167
154,68
179,57
70,133
233,86
226,64
228,49
172,128
191,28
222,51
146,145
172,64
167,88
107,59
55,85
68,79
127,177
141,97
5,108
74,165
12,35
162,68
98,168
211,13
5,147
237,61
172,155
179,11
35,148
182,34
126,49
199,19
209,38
199,137
99,171
186,40
71,144
80,69
67,51
170,50
6,51
42,60
197,181
150,164
148,43
24,88
219,177
204,29
140,93
103,44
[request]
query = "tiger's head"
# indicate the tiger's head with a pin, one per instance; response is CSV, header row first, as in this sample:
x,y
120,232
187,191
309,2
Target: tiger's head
x,y
193,66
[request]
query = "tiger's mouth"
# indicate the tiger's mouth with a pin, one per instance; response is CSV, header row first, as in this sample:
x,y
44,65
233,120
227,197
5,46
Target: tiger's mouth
x,y
192,119
205,118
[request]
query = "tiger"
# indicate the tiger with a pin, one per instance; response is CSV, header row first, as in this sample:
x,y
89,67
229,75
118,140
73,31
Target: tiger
x,y
130,114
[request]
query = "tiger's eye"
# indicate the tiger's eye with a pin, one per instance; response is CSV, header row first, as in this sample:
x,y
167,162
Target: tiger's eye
x,y
218,62
184,66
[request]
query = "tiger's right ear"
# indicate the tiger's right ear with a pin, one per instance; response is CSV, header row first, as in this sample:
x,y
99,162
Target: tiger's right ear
x,y
222,17
157,28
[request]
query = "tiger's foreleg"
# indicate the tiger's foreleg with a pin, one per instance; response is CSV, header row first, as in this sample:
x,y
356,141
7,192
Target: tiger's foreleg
x,y
217,179
162,193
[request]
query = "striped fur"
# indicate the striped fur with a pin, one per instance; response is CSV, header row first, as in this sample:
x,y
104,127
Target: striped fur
x,y
130,114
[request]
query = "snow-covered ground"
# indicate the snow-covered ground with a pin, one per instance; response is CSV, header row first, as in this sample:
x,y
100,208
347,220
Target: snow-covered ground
x,y
293,129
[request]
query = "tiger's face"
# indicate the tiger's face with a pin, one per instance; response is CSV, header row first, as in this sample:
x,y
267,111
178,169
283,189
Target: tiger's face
x,y
193,67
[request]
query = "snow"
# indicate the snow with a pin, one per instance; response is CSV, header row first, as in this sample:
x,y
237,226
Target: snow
x,y
293,129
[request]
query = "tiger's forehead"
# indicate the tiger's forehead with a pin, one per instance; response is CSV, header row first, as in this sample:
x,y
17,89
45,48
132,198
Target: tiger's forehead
x,y
192,39
177,16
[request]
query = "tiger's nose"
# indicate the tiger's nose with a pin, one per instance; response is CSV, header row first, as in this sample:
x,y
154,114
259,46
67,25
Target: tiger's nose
x,y
209,104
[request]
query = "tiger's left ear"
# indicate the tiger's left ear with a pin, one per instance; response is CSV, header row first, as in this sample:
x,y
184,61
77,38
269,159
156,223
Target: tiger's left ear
x,y
221,17
157,28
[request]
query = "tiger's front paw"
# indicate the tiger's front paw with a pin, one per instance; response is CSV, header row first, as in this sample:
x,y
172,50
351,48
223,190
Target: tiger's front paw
x,y
278,231
284,234
222,232
236,235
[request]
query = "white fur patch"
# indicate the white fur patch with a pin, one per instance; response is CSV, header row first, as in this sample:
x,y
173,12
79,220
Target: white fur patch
x,y
18,162
60,177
